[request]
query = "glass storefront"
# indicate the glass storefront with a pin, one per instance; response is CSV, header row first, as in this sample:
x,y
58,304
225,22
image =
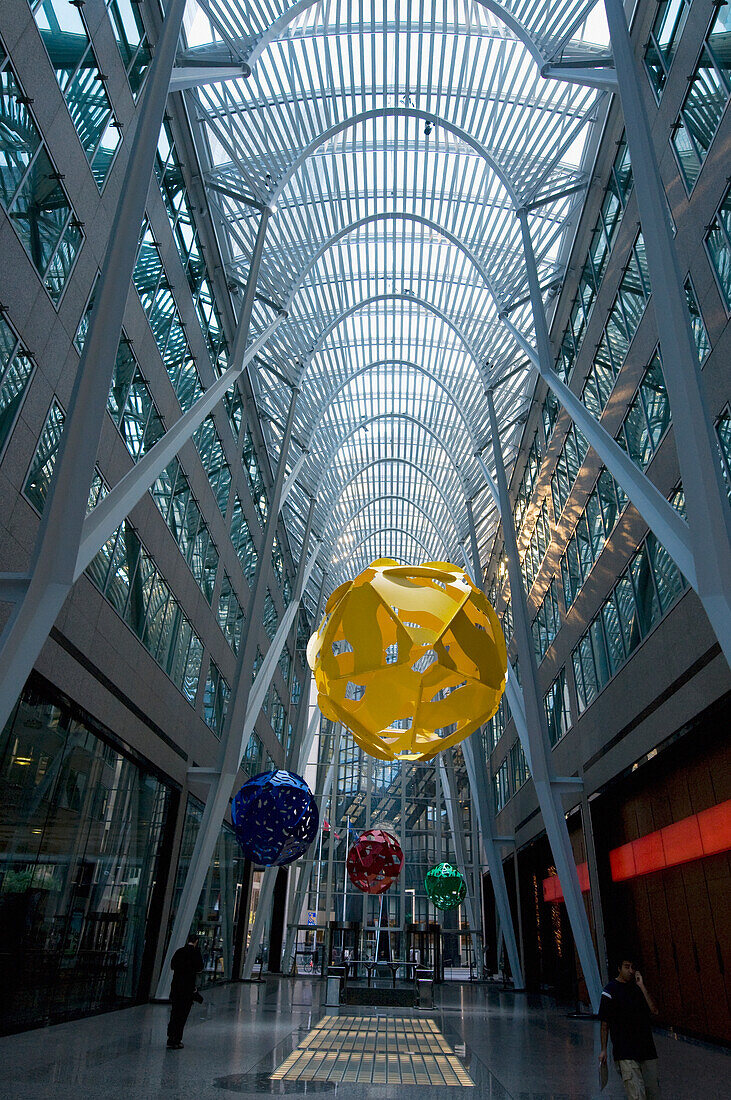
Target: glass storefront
x,y
81,827
221,902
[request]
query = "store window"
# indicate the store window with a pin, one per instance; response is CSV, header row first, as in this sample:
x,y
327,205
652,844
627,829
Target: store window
x,y
82,831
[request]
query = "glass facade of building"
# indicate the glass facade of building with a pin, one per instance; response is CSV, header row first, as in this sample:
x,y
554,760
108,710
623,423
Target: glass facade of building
x,y
83,828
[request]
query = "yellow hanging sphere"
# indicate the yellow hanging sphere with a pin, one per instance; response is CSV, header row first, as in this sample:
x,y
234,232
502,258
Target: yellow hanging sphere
x,y
410,658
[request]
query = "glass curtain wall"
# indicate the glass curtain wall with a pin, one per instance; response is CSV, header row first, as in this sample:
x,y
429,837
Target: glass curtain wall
x,y
410,799
81,832
221,903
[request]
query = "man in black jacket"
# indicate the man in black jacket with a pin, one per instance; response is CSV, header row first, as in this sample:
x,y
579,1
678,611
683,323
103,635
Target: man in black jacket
x,y
186,963
625,1011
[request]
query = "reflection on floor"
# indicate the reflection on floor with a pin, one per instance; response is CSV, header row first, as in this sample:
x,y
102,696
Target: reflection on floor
x,y
514,1047
380,1050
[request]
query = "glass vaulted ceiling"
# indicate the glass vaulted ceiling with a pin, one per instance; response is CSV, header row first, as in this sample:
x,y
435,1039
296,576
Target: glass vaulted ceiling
x,y
393,250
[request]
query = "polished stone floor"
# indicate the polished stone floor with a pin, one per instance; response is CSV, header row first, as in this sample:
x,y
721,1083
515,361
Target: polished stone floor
x,y
514,1047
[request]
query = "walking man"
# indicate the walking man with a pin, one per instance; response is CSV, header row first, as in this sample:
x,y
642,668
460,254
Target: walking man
x,y
625,1010
186,963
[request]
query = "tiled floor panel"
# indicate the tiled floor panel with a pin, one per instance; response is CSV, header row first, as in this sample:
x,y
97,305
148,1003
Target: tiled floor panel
x,y
376,1050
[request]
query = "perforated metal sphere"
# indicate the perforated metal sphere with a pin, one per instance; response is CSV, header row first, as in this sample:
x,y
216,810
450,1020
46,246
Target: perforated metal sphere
x,y
275,818
410,658
445,886
375,861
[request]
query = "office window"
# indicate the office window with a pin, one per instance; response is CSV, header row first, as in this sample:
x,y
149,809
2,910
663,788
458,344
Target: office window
x,y
242,541
16,368
700,335
38,480
82,851
277,715
256,479
127,576
705,101
215,699
185,234
501,786
547,622
718,244
231,617
593,528
622,324
62,28
162,314
643,593
131,37
494,729
253,758
602,241
270,618
723,431
31,190
519,772
528,480
556,706
567,469
662,44
210,448
538,545
130,404
648,416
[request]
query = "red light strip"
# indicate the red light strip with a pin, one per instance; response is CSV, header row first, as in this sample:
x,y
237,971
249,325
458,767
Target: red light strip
x,y
705,834
552,891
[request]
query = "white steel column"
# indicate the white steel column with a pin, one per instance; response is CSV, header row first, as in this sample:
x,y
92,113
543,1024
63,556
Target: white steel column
x,y
473,751
41,594
235,726
445,761
303,574
706,502
304,876
474,759
548,787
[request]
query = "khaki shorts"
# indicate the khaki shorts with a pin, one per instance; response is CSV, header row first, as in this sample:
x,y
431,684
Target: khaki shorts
x,y
640,1079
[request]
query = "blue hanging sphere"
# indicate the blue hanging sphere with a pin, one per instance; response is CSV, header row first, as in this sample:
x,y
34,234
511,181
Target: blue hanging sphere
x,y
275,818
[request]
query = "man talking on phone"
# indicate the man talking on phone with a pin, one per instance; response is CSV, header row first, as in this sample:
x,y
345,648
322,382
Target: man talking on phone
x,y
625,1011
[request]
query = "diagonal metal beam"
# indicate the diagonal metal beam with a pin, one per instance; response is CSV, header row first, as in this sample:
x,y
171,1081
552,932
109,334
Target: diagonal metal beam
x,y
56,549
537,745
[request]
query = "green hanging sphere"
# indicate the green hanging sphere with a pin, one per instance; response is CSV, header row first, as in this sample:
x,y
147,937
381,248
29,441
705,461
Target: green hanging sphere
x,y
445,886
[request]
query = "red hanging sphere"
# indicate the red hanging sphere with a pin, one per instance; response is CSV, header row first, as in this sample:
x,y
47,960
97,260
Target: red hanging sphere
x,y
375,861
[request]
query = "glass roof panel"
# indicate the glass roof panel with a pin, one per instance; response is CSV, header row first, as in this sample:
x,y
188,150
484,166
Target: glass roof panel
x,y
394,143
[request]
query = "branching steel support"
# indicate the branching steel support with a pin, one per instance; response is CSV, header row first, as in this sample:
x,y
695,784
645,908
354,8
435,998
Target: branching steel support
x,y
234,734
304,875
55,553
657,512
473,751
706,501
548,789
476,765
451,797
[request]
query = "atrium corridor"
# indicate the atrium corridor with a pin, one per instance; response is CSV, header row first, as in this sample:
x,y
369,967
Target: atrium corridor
x,y
511,1045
